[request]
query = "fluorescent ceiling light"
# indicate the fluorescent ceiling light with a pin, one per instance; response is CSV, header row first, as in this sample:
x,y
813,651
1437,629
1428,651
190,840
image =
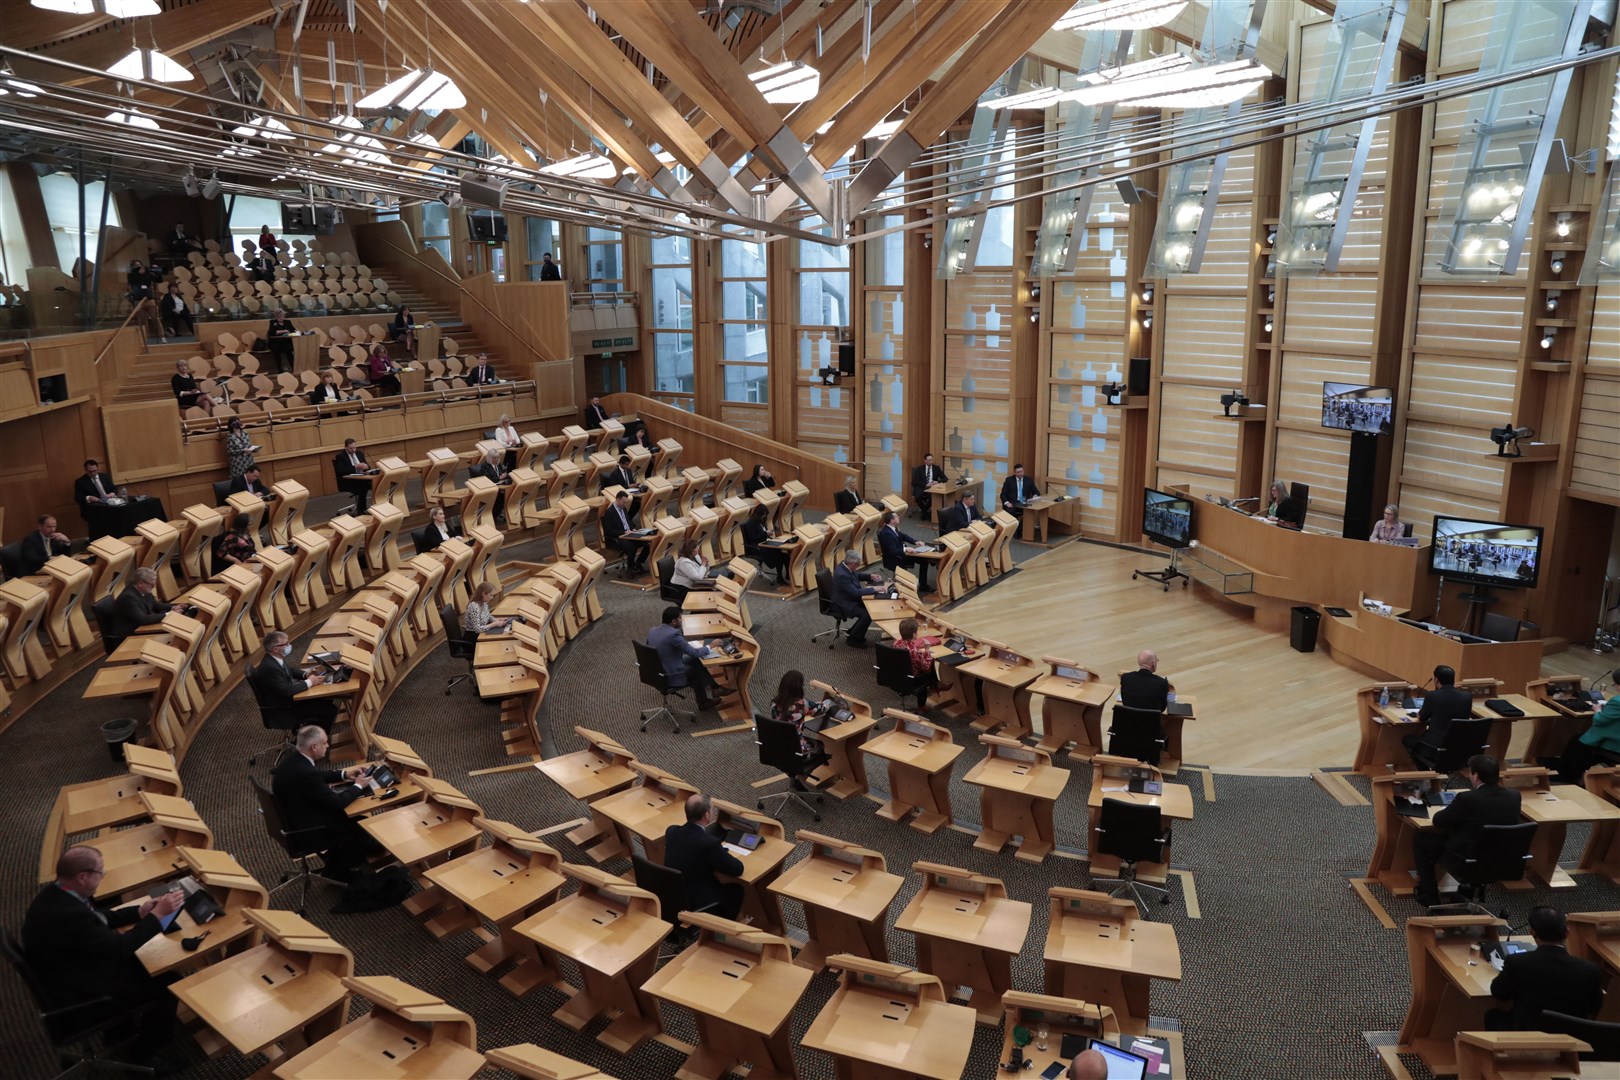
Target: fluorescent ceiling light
x,y
416,90
1195,88
356,148
1044,96
1120,15
9,85
263,127
118,9
132,117
149,64
584,167
788,84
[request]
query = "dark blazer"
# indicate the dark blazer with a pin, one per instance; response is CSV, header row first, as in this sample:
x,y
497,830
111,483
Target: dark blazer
x,y
84,489
594,416
1440,708
957,517
845,501
401,324
34,554
1009,490
1144,689
278,683
752,485
699,855
1470,811
432,534
185,389
673,650
489,472
179,241
848,591
892,542
132,610
613,528
754,534
342,466
923,475
279,328
550,271
241,484
1548,979
479,376
1292,511
617,476
79,957
305,793
325,394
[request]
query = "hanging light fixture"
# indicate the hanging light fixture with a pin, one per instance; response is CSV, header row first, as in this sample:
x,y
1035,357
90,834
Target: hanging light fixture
x,y
357,148
133,117
117,9
263,127
788,84
416,89
1120,15
151,65
1195,87
583,167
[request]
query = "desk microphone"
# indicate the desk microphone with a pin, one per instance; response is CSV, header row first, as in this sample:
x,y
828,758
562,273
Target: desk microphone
x,y
1240,502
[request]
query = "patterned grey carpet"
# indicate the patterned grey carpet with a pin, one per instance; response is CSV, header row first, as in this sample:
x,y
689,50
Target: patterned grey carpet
x,y
1283,974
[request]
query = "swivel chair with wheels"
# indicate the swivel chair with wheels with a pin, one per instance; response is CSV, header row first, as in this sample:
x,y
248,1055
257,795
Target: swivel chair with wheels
x,y
1500,854
274,717
670,888
1133,833
462,645
1137,733
78,1031
893,667
651,672
11,560
779,748
667,589
828,607
299,845
420,540
1462,740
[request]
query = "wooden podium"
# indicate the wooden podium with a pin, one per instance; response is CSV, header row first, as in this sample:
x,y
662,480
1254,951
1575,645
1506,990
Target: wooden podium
x,y
845,772
1071,709
601,769
1451,984
967,933
888,1022
1099,949
1018,787
846,892
920,756
408,1033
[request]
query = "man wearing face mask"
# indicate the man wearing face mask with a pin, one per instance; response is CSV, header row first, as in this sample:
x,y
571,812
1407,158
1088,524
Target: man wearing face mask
x,y
278,680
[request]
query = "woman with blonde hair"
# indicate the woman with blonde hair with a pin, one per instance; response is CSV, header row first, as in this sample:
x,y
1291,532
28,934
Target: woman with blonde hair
x,y
477,618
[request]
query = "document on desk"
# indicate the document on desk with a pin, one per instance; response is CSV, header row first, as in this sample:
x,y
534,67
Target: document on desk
x,y
740,852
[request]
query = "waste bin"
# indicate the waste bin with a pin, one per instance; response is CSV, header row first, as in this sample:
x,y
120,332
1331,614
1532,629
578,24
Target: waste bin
x,y
1303,627
117,733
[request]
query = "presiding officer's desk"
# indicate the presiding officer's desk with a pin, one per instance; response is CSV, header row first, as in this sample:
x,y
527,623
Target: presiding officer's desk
x,y
1451,984
967,933
1018,787
600,769
742,986
761,866
1595,936
1099,949
845,772
920,756
1383,645
888,1022
1110,779
408,1034
1602,854
1564,721
1073,697
846,891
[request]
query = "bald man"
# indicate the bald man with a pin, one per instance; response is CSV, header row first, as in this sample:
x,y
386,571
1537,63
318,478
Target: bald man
x,y
699,855
1089,1065
1145,688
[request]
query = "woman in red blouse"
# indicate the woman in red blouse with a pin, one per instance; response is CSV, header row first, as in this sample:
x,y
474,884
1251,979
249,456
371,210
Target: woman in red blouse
x,y
237,546
922,658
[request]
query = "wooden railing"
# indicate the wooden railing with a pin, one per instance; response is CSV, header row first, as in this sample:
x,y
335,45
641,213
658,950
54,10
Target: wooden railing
x,y
113,337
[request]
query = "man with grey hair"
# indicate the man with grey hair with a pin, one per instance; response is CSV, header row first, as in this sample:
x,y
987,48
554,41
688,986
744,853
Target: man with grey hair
x,y
138,605
850,589
699,855
308,800
277,682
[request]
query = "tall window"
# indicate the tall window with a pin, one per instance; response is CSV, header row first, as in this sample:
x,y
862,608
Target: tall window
x,y
542,235
248,214
604,259
822,284
61,194
14,260
436,228
670,315
743,350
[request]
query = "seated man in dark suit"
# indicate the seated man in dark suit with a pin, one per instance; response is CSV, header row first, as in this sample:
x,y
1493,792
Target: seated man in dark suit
x,y
491,468
1145,688
845,501
307,799
1457,827
252,481
621,475
481,373
618,520
182,244
1547,979
1441,706
594,414
349,465
42,545
849,590
681,660
699,855
93,487
138,605
79,955
921,477
278,681
1017,490
892,543
964,513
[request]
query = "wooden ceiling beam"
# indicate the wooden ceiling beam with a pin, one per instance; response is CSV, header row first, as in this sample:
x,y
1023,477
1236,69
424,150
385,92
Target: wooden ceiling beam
x,y
175,32
31,27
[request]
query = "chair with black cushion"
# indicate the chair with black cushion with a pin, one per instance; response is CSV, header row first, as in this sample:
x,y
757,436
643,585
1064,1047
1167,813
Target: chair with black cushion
x,y
222,492
667,589
299,845
274,717
462,645
779,749
1137,734
1406,529
893,667
651,672
421,539
1463,739
11,560
104,612
1133,833
828,607
1602,1037
1499,627
1528,631
670,888
78,1031
1500,854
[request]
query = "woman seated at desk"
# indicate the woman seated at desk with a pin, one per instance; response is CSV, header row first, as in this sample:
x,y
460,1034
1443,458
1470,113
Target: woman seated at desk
x,y
1585,749
754,534
236,546
1391,528
760,478
692,570
790,707
438,529
1285,510
477,619
922,659
384,372
507,435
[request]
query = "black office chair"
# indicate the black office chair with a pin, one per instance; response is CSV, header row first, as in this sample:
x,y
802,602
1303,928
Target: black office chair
x,y
1134,833
299,845
1406,529
1602,1037
462,645
420,540
77,1031
651,672
103,610
667,589
893,667
1500,854
779,748
1499,627
1137,733
1462,740
11,560
222,492
274,717
670,888
828,607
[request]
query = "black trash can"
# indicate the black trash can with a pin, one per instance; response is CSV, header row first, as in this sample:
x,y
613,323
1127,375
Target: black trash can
x,y
117,733
1303,627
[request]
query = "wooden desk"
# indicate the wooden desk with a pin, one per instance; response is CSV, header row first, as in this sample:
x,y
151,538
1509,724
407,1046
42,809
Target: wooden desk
x,y
1018,787
845,772
1554,807
1518,1055
1602,852
1451,984
920,756
643,811
1552,733
602,768
1098,949
1071,709
1595,936
888,1022
846,892
1534,711
233,888
1066,1016
1385,646
1110,779
537,1063
409,1034
288,990
435,830
135,858
761,867
101,804
1382,727
1003,678
1033,520
742,986
1391,862
947,494
611,929
733,675
967,933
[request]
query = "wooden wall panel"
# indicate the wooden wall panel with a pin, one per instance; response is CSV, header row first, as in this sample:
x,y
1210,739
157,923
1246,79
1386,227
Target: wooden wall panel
x,y
1597,444
754,419
1335,311
1462,390
1198,485
1467,25
1444,456
1482,322
1204,338
977,355
1193,435
886,368
1603,351
1318,458
1229,252
1304,373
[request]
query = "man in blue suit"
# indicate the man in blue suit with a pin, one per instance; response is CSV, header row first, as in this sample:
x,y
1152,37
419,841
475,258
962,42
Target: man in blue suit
x,y
699,855
849,590
681,660
892,543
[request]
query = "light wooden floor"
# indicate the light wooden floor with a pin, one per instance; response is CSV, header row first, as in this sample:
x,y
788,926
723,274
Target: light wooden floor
x,y
1261,705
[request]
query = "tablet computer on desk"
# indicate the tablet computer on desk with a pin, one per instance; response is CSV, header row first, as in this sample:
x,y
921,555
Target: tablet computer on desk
x,y
1122,1064
1178,708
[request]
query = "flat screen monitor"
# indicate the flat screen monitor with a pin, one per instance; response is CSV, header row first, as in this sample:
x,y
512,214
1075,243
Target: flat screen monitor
x,y
486,228
304,219
1486,552
1166,518
1352,407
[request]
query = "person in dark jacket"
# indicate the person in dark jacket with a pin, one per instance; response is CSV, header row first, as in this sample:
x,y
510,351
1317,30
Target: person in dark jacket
x,y
42,545
849,591
278,682
845,501
1145,688
699,856
138,605
308,800
1441,706
892,544
1456,828
754,534
1546,979
682,662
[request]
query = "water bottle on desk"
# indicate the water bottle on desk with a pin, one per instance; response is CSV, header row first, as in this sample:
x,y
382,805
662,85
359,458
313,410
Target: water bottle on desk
x,y
1383,697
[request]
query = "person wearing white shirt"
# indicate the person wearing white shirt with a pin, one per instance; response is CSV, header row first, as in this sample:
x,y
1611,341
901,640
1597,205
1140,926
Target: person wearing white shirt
x,y
350,466
436,531
507,435
692,569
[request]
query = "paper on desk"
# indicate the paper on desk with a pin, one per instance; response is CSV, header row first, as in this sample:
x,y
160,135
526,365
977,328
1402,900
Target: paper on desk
x,y
735,850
